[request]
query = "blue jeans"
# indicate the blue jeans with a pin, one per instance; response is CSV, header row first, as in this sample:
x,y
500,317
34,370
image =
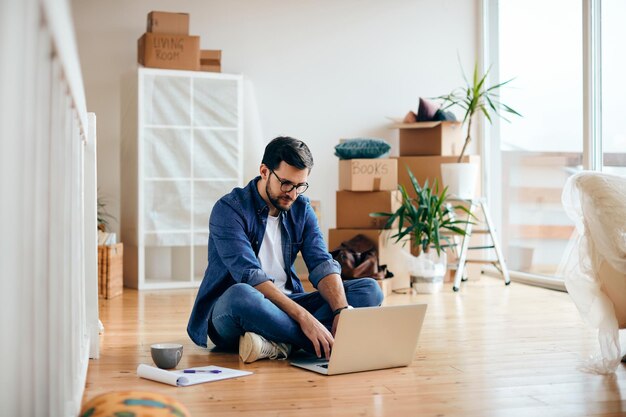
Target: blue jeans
x,y
242,309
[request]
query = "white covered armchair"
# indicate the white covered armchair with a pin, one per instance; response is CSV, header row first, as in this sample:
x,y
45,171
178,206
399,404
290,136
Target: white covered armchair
x,y
595,269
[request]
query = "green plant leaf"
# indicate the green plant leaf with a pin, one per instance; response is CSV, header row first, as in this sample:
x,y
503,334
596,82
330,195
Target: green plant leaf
x,y
416,185
475,79
457,231
497,86
490,103
381,214
401,216
424,216
436,227
475,97
486,113
510,110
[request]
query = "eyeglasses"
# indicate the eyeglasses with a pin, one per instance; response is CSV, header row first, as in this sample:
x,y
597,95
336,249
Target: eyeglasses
x,y
288,186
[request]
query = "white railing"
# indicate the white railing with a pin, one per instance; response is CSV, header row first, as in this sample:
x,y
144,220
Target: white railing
x,y
48,286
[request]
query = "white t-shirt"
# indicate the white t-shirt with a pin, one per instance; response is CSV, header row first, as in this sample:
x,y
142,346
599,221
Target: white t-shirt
x,y
271,254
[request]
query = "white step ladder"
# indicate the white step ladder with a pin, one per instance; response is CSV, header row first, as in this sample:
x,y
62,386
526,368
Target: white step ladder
x,y
474,205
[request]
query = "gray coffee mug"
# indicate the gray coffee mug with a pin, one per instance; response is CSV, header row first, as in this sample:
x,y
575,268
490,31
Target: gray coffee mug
x,y
166,355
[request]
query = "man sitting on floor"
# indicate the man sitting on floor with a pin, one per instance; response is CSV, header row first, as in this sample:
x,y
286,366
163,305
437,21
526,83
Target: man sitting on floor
x,y
250,294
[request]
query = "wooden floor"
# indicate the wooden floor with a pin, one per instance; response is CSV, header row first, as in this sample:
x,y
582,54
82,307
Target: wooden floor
x,y
489,350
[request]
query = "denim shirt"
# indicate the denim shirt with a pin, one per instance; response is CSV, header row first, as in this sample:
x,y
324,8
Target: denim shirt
x,y
237,226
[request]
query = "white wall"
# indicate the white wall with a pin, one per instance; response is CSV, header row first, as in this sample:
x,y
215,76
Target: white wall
x,y
317,70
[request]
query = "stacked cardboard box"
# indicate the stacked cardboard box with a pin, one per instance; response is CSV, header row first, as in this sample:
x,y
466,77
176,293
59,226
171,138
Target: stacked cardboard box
x,y
423,147
428,168
211,60
367,186
430,138
167,44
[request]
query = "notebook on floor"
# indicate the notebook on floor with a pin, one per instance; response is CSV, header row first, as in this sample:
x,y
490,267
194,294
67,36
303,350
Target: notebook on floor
x,y
371,338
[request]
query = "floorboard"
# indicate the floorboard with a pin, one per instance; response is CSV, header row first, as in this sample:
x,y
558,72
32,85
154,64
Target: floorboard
x,y
488,350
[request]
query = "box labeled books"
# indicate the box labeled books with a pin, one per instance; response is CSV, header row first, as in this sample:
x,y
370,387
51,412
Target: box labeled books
x,y
377,174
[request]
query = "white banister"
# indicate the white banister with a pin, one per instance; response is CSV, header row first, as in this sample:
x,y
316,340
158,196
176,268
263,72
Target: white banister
x,y
91,237
48,253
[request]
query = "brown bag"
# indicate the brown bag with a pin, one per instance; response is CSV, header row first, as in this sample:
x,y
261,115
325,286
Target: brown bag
x,y
358,258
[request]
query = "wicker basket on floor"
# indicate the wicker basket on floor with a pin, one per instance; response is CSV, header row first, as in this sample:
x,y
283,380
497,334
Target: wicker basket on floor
x,y
110,270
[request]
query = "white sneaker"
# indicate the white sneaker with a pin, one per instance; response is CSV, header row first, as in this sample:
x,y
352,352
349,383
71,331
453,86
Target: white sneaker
x,y
253,347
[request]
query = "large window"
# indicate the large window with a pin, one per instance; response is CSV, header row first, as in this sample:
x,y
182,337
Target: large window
x,y
540,46
613,86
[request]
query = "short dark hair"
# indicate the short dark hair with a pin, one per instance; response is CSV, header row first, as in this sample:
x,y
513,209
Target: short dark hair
x,y
287,149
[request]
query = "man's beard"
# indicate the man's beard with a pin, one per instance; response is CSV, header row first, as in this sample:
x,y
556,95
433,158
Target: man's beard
x,y
282,204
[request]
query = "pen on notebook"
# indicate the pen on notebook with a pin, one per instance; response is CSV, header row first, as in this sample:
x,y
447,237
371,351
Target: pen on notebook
x,y
202,371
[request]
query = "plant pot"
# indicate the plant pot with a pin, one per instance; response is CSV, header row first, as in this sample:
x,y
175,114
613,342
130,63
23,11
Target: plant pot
x,y
460,178
427,271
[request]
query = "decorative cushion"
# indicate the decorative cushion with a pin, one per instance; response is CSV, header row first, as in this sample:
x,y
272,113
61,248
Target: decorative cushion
x,y
362,148
135,404
443,115
410,117
427,110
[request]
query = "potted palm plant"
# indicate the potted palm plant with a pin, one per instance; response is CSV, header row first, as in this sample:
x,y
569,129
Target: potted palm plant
x,y
421,220
103,216
475,98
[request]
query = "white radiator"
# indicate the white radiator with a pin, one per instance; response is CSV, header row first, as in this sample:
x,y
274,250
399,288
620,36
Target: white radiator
x,y
48,253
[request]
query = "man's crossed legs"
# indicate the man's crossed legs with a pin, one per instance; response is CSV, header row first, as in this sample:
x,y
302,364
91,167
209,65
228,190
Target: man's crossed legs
x,y
242,309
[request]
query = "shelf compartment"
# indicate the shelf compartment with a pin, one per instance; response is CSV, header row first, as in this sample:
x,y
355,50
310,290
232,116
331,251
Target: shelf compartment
x,y
166,100
210,164
167,205
205,195
165,263
215,102
167,153
167,238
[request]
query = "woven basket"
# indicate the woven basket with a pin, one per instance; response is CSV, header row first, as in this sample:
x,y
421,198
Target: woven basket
x,y
110,270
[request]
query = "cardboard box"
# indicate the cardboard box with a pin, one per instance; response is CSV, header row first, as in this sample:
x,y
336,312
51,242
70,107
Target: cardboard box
x,y
210,55
430,138
389,252
110,270
170,23
354,208
211,60
316,205
429,167
157,50
368,174
211,68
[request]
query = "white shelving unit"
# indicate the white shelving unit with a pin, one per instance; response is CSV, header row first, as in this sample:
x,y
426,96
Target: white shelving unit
x,y
182,135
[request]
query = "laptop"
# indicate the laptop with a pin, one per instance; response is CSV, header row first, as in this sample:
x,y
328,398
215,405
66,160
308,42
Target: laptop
x,y
371,338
